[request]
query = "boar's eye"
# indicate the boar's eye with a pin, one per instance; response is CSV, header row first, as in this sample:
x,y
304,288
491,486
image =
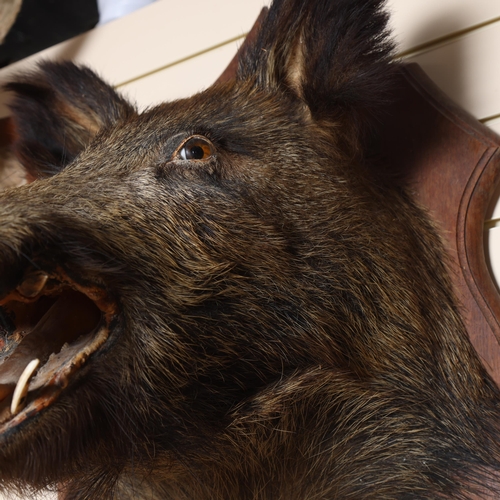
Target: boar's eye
x,y
195,148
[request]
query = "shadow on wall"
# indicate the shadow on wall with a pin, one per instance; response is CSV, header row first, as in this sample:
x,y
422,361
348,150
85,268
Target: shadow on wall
x,y
452,69
445,67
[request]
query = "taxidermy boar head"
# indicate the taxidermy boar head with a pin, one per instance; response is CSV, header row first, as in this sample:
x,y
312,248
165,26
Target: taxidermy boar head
x,y
214,300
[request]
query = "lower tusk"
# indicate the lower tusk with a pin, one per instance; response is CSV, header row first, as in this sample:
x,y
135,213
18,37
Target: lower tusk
x,y
22,386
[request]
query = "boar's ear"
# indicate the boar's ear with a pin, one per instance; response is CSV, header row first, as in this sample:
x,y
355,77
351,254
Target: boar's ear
x,y
335,55
56,112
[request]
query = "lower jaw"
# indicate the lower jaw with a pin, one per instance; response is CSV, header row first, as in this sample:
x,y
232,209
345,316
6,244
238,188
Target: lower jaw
x,y
46,387
47,448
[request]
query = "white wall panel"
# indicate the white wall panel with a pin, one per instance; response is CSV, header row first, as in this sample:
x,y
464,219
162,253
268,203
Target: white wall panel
x,y
182,79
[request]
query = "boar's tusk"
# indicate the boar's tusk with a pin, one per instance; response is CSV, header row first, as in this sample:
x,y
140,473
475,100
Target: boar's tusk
x,y
22,385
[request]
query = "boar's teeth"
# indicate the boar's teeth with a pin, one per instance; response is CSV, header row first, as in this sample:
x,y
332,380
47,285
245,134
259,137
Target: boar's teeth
x,y
22,386
33,284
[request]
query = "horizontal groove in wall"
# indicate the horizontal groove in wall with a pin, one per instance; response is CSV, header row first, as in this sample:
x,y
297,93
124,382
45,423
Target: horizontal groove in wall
x,y
445,39
490,224
402,55
180,61
490,118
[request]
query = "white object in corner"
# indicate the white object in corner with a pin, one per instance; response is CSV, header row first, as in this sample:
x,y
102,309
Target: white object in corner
x,y
113,9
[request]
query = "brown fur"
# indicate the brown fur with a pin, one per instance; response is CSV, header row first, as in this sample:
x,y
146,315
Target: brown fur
x,y
286,325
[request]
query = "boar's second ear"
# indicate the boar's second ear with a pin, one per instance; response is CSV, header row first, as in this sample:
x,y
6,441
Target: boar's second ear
x,y
56,112
334,55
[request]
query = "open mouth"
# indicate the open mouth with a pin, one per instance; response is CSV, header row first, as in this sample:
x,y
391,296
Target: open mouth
x,y
49,326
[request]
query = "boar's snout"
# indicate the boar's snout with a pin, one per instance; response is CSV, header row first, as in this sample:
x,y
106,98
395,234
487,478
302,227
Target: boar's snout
x,y
50,322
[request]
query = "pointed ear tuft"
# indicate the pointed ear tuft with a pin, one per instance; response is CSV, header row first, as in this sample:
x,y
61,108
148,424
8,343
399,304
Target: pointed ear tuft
x,y
57,111
334,55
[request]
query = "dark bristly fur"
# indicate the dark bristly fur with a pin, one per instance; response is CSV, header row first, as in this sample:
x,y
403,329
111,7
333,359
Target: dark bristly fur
x,y
287,330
